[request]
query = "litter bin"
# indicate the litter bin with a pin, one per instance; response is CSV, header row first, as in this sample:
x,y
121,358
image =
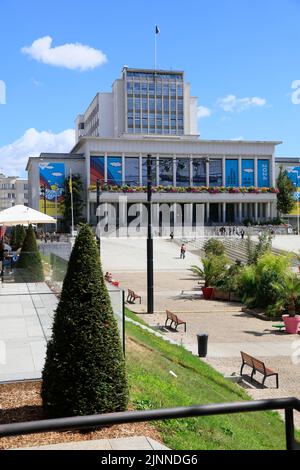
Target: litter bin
x,y
202,339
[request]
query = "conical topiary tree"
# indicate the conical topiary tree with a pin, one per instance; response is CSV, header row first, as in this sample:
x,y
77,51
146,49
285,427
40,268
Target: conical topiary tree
x,y
20,236
29,265
84,372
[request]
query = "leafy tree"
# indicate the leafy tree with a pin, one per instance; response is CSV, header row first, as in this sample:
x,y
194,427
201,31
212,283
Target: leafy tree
x,y
78,204
84,371
29,265
212,246
285,197
256,250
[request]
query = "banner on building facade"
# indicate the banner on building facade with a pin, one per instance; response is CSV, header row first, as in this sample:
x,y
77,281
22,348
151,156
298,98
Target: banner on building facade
x,y
293,173
52,180
263,173
97,171
248,173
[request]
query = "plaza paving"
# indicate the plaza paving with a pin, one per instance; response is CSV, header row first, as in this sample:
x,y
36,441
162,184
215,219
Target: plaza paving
x,y
26,312
230,330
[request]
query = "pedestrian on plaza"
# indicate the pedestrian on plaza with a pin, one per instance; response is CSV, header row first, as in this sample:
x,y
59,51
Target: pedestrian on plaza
x,y
182,251
172,236
242,234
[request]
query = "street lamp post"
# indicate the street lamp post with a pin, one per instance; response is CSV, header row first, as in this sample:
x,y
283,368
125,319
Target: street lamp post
x,y
150,294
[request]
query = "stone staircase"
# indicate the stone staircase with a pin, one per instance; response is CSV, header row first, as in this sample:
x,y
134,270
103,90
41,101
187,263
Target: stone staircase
x,y
235,248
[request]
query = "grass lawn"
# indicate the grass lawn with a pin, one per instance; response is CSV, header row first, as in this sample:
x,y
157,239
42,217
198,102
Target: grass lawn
x,y
149,360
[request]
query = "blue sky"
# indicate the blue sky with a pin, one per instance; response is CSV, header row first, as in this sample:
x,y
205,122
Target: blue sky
x,y
240,56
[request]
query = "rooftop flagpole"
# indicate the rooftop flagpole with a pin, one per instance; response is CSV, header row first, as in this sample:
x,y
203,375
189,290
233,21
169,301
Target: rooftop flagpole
x,y
157,31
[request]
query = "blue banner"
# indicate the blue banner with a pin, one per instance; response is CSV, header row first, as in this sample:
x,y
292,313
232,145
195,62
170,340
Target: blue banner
x,y
263,173
293,173
232,173
247,173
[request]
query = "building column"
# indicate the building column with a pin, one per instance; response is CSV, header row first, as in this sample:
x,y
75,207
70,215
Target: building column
x,y
207,212
207,172
256,211
268,211
240,170
255,172
223,171
123,216
155,219
188,220
177,215
224,212
240,212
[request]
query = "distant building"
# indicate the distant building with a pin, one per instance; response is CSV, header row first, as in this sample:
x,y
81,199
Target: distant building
x,y
292,166
152,112
13,191
141,102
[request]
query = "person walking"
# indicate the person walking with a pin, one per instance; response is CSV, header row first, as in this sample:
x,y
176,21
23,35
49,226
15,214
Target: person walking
x,y
172,236
182,251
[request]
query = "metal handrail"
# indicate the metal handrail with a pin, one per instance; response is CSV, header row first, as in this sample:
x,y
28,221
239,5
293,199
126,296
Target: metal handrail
x,y
64,424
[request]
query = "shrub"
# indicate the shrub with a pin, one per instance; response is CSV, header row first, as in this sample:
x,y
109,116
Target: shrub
x,y
29,265
214,247
84,371
257,283
212,270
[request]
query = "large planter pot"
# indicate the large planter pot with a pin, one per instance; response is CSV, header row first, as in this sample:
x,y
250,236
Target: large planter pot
x,y
220,294
291,324
207,292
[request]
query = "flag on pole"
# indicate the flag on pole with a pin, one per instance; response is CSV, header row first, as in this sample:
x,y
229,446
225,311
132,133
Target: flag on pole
x,y
157,30
70,184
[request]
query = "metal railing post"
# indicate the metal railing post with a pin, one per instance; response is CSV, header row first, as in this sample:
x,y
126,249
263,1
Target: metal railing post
x,y
289,428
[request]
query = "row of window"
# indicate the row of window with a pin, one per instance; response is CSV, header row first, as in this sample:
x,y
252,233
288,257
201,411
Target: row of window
x,y
165,172
155,75
146,88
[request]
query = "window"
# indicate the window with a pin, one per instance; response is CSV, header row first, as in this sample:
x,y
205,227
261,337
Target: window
x,y
96,169
199,172
215,172
248,172
144,171
114,170
232,173
182,172
166,171
132,171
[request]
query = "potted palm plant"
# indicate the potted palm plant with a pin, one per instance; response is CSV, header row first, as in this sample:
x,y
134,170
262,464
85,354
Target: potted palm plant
x,y
211,271
288,294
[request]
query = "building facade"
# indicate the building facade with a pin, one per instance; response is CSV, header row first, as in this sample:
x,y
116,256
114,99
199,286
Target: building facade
x,y
13,191
141,102
292,166
152,113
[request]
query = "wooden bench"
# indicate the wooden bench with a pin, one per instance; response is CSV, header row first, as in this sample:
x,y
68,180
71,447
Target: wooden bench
x,y
132,296
257,366
174,319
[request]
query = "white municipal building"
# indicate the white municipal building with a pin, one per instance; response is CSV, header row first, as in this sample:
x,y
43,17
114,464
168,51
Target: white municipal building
x,y
152,112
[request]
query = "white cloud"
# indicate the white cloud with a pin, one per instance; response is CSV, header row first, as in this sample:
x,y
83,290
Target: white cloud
x,y
71,56
14,156
203,112
237,138
231,103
